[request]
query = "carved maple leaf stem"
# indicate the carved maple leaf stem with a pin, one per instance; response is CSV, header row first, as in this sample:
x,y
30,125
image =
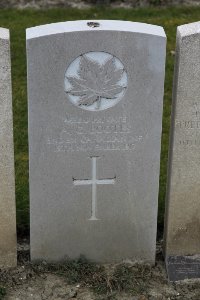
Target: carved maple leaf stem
x,y
98,102
95,81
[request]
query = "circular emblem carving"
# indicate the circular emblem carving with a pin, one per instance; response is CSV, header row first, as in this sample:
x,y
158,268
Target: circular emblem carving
x,y
95,81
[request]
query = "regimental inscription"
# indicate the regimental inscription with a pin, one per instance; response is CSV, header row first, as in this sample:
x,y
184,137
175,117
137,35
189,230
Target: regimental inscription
x,y
94,182
189,127
94,133
95,81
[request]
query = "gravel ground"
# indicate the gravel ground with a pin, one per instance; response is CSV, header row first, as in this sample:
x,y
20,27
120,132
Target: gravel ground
x,y
38,4
28,282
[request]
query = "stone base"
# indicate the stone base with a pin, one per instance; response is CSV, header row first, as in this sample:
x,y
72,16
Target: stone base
x,y
183,267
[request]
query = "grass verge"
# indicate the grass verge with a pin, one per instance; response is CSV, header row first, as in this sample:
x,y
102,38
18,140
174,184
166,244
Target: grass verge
x,y
18,20
2,293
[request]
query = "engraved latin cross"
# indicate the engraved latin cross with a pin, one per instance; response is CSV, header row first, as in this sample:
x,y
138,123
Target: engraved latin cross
x,y
94,182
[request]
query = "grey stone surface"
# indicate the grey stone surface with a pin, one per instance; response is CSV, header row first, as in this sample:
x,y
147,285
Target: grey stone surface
x,y
7,182
95,116
182,226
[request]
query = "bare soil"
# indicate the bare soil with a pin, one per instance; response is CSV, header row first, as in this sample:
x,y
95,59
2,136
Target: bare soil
x,y
43,281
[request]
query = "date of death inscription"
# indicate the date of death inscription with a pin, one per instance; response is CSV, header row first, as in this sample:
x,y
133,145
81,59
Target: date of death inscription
x,y
79,134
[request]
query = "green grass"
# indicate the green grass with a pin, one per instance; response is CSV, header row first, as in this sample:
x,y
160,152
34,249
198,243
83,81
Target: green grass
x,y
2,293
18,20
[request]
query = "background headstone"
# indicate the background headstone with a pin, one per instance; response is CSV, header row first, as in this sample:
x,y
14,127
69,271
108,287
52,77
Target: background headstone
x,y
7,182
95,94
182,228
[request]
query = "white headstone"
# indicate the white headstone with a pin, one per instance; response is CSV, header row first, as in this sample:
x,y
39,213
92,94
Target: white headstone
x,y
95,94
182,229
7,182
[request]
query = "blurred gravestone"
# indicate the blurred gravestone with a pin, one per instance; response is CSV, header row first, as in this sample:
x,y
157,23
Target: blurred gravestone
x,y
182,230
7,182
95,114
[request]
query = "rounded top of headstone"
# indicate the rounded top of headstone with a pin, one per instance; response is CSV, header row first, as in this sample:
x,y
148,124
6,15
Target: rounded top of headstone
x,y
91,25
189,29
4,33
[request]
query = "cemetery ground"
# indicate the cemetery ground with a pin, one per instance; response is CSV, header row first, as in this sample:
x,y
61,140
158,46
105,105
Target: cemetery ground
x,y
84,280
81,279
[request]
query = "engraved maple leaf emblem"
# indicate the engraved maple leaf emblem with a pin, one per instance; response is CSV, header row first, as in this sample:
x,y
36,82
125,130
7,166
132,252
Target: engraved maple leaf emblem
x,y
96,81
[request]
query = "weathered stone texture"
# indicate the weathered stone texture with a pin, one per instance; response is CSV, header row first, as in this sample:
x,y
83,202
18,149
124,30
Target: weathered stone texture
x,y
182,228
7,182
114,143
